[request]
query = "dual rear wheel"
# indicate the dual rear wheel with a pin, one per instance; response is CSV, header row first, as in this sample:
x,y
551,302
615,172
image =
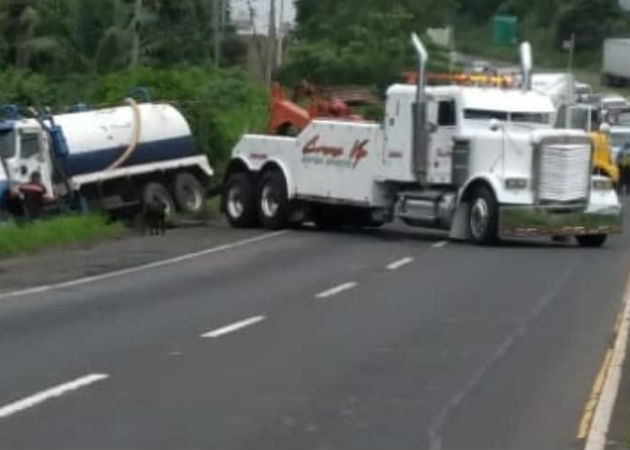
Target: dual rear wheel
x,y
186,194
247,204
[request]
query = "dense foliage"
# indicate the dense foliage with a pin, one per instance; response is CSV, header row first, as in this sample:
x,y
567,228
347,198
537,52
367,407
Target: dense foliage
x,y
99,35
367,41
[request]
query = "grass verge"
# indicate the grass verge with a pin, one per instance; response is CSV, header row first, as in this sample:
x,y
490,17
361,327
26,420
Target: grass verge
x,y
17,240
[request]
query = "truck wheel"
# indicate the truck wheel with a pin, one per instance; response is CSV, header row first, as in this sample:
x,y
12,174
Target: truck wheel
x,y
239,200
591,240
155,192
272,200
188,193
483,217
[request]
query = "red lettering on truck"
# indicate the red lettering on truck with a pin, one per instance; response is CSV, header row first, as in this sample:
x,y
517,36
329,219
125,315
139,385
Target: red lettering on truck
x,y
312,147
358,151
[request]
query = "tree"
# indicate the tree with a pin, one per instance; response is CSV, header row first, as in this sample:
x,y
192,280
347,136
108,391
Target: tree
x,y
360,41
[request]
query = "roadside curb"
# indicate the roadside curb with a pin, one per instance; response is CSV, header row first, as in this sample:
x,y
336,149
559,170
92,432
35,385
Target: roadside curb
x,y
612,370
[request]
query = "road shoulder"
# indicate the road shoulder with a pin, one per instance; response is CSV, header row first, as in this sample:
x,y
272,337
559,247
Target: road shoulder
x,y
129,250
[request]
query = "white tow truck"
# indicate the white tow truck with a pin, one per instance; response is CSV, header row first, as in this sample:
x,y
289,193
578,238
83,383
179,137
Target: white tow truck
x,y
482,162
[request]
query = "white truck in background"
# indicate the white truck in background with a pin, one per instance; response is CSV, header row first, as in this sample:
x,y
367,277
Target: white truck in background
x,y
616,62
113,159
482,162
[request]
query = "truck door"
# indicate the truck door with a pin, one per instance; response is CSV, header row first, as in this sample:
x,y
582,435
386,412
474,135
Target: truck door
x,y
443,122
32,157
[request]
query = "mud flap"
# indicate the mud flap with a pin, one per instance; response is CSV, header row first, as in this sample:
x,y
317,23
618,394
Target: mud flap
x,y
459,225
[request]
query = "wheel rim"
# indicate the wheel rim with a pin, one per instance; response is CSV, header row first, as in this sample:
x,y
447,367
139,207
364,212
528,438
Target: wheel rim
x,y
192,198
269,202
235,205
479,217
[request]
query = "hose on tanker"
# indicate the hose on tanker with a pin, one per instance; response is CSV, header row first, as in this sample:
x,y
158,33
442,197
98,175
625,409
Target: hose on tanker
x,y
135,135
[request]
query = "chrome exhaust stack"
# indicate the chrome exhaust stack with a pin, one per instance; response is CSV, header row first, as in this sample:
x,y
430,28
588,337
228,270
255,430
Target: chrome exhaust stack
x,y
526,65
419,114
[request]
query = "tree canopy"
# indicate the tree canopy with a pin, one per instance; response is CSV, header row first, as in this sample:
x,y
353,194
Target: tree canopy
x,y
57,36
367,41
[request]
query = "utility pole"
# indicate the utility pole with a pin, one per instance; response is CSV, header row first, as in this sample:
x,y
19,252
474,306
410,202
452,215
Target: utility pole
x,y
571,80
271,42
135,25
280,50
571,51
217,6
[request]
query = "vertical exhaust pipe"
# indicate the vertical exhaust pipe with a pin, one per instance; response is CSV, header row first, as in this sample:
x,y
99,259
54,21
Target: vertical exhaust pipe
x,y
526,65
419,115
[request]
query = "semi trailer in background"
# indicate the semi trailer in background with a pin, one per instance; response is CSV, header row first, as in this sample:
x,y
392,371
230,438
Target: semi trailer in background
x,y
616,62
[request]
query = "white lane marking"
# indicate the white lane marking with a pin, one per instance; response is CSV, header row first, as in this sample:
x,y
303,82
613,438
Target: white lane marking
x,y
596,439
144,267
337,290
440,244
400,263
56,391
233,327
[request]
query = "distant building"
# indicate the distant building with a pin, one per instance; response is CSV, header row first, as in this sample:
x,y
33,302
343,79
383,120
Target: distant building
x,y
251,20
252,16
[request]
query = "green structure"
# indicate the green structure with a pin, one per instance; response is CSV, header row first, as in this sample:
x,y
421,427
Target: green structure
x,y
504,30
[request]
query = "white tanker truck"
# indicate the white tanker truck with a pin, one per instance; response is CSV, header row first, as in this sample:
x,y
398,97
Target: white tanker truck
x,y
113,159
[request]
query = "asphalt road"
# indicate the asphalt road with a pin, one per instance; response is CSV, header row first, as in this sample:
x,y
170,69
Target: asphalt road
x,y
452,346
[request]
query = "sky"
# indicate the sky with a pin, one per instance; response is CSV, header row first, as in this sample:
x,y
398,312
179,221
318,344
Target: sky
x,y
240,11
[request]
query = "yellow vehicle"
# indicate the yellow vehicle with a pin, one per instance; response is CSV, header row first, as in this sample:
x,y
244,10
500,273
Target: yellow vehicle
x,y
602,156
588,118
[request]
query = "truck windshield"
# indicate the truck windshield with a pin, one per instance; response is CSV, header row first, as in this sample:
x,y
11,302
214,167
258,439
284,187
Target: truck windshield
x,y
519,117
7,144
530,117
482,114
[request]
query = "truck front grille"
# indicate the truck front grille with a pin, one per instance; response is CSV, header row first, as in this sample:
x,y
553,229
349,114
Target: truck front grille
x,y
564,173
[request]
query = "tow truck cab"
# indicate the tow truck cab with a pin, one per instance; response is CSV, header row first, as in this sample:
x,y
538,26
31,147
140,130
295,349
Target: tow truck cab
x,y
23,151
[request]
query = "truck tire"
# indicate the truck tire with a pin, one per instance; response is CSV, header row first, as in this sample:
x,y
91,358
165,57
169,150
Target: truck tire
x,y
483,217
272,200
239,200
591,240
156,192
188,193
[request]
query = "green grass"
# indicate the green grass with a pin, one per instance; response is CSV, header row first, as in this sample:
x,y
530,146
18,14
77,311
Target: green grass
x,y
17,240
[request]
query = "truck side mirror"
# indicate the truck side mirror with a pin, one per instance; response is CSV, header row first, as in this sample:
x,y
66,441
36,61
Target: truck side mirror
x,y
23,170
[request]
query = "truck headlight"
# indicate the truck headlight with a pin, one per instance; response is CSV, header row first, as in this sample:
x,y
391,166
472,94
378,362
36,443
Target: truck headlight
x,y
516,183
603,184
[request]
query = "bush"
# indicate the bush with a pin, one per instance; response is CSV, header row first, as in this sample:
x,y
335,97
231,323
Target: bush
x,y
220,105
